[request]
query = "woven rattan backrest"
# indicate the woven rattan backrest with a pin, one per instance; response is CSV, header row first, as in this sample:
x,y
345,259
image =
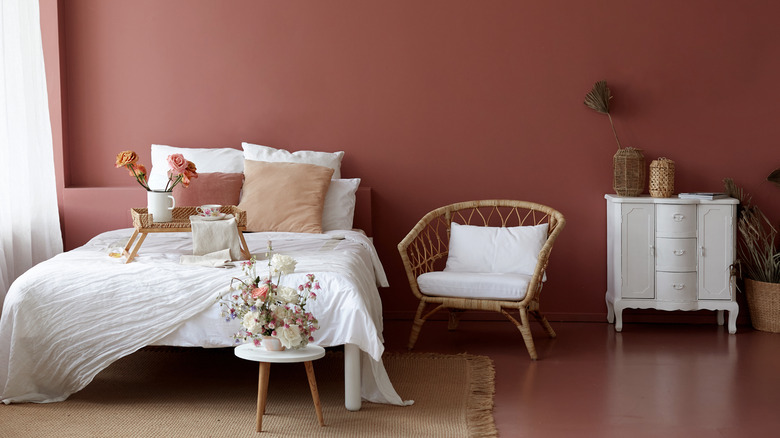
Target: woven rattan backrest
x,y
425,248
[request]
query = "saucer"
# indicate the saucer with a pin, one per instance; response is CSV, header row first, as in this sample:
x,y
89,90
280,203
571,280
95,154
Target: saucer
x,y
213,218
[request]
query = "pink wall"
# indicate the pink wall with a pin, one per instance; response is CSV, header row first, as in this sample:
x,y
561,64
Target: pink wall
x,y
433,102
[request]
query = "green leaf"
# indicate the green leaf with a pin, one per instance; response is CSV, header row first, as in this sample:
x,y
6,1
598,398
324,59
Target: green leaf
x,y
598,98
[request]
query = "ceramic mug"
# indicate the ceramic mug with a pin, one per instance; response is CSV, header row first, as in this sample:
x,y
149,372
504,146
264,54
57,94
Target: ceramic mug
x,y
160,205
209,210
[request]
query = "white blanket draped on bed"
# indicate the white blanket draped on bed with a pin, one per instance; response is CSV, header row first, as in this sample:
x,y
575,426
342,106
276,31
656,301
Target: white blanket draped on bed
x,y
68,318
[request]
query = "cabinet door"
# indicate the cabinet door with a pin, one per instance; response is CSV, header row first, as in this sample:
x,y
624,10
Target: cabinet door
x,y
716,237
637,235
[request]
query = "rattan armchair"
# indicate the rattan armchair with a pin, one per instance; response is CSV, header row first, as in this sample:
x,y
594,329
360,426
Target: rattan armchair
x,y
425,249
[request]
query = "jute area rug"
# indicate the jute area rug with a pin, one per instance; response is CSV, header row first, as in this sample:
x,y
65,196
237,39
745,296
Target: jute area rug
x,y
194,392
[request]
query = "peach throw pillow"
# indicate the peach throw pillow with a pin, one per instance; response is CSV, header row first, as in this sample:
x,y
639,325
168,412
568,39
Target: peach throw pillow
x,y
284,196
210,188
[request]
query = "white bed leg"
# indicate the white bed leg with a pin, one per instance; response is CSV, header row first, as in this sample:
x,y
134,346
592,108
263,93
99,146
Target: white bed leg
x,y
352,377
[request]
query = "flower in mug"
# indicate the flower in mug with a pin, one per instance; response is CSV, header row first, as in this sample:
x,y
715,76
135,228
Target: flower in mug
x,y
251,321
282,264
129,159
126,158
287,294
178,163
182,171
290,335
266,308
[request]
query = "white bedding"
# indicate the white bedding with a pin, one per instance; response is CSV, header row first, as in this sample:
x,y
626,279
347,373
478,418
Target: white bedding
x,y
70,317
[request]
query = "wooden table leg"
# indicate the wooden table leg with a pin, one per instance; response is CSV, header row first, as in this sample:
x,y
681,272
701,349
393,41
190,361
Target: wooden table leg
x,y
130,241
262,392
315,395
244,247
136,248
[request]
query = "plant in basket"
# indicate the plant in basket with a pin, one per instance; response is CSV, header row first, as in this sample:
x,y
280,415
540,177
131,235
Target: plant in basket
x,y
758,259
628,163
268,309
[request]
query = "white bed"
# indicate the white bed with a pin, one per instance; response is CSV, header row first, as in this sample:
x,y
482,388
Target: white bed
x,y
68,318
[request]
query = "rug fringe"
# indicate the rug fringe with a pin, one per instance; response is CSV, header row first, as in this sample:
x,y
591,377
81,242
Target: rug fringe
x,y
479,407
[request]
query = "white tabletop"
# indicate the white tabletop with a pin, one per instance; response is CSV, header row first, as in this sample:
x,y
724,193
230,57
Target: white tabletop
x,y
260,354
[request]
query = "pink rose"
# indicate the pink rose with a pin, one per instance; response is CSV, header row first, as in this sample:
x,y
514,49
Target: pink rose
x,y
259,293
178,163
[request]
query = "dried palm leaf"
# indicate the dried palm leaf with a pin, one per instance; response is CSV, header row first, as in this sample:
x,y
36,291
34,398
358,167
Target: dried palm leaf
x,y
774,177
598,100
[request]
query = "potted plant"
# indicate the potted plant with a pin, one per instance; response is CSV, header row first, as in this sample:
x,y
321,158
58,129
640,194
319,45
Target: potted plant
x,y
628,164
758,259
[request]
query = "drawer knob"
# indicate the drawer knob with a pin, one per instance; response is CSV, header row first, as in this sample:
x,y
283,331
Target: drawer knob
x,y
678,286
679,217
679,252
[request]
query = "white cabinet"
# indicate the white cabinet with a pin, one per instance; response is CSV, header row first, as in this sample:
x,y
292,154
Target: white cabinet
x,y
670,254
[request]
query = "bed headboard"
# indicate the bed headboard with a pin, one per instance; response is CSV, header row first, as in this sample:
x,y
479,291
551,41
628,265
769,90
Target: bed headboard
x,y
363,210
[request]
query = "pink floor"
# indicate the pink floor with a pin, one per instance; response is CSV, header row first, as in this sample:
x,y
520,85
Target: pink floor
x,y
651,380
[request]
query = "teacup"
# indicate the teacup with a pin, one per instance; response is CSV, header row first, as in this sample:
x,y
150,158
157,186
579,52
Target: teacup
x,y
209,210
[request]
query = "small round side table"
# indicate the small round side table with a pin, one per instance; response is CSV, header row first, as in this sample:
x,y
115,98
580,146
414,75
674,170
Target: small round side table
x,y
266,358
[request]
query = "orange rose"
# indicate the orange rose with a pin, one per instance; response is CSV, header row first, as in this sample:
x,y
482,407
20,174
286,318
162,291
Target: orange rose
x,y
140,171
126,158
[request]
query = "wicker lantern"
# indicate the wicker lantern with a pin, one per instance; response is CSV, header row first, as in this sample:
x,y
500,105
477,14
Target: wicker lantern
x,y
629,172
661,178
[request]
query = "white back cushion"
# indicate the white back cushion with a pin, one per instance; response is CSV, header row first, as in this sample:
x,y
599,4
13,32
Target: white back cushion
x,y
207,160
266,153
506,250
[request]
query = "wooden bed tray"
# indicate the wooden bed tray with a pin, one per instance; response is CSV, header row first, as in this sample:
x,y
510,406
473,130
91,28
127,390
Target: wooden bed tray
x,y
143,224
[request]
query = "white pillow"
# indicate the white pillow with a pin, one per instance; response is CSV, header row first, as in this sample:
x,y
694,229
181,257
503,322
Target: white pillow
x,y
265,153
339,210
207,160
505,250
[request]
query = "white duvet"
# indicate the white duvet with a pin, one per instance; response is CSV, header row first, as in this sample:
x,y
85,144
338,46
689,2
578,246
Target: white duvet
x,y
69,317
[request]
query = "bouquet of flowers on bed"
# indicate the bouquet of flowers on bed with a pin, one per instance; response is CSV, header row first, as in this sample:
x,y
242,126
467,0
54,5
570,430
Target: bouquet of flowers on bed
x,y
266,308
181,170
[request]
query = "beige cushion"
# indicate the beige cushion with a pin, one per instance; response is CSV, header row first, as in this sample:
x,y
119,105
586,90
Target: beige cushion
x,y
210,188
284,196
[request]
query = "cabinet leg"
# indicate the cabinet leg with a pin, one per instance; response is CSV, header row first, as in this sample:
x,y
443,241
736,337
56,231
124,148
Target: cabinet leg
x,y
610,312
618,320
733,321
720,316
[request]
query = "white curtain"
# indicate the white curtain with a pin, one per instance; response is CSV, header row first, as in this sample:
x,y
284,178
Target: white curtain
x,y
29,219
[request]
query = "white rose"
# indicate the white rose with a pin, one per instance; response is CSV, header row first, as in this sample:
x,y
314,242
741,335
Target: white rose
x,y
282,264
290,336
251,323
287,294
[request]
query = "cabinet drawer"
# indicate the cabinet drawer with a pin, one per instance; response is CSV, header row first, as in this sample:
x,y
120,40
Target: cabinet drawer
x,y
675,220
676,255
676,286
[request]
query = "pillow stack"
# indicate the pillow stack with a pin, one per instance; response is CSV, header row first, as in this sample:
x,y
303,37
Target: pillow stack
x,y
300,192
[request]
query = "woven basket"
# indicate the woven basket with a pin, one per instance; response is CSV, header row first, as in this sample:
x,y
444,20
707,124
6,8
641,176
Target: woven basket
x,y
629,172
661,178
764,303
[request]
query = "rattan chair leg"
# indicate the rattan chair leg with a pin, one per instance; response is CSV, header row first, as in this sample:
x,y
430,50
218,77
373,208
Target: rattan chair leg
x,y
417,325
525,329
452,324
543,321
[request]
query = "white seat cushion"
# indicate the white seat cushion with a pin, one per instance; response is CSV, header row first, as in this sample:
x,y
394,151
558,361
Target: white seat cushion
x,y
484,286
